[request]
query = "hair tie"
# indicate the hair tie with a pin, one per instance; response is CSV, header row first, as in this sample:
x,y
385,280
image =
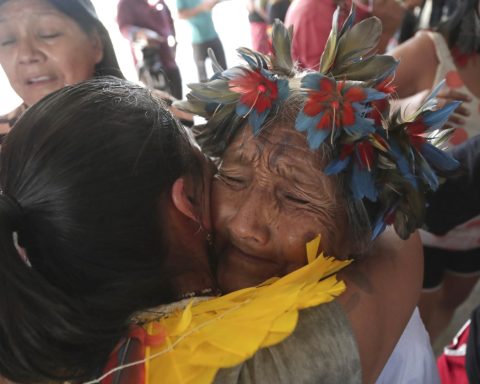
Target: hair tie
x,y
15,213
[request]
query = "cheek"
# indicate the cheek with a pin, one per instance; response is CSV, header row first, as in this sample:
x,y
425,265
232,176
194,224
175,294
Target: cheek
x,y
73,67
222,205
293,231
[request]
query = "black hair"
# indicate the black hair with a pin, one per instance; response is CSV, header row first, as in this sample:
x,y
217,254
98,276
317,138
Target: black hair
x,y
84,14
83,173
462,28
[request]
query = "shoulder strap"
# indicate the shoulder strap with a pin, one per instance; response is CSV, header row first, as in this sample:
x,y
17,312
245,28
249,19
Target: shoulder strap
x,y
441,47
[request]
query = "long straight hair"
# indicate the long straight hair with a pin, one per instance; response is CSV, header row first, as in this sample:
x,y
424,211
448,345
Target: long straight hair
x,y
82,176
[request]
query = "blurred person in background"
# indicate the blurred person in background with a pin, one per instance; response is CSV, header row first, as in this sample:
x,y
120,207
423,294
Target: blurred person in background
x,y
258,20
451,52
47,44
150,22
277,9
311,22
423,14
198,14
455,202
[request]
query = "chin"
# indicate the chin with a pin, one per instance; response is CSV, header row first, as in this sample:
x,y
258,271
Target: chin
x,y
235,283
233,277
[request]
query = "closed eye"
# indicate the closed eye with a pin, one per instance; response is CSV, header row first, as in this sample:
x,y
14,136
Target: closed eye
x,y
296,200
50,35
231,181
4,43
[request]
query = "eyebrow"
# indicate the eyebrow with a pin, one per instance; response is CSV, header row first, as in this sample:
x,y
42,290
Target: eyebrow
x,y
239,154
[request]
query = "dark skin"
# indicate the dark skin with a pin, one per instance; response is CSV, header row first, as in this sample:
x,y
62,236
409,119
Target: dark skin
x,y
278,223
268,205
269,198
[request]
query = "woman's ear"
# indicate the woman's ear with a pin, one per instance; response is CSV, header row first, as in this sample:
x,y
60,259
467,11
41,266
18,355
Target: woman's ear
x,y
182,198
97,45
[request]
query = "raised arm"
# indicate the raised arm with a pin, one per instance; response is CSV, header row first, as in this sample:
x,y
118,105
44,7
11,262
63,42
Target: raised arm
x,y
418,64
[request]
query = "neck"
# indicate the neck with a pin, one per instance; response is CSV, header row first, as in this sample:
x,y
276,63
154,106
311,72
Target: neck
x,y
187,260
191,284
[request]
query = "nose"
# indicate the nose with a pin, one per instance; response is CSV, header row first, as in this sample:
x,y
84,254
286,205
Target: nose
x,y
28,52
250,222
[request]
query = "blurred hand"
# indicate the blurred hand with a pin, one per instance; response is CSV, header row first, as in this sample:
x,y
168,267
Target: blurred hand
x,y
447,95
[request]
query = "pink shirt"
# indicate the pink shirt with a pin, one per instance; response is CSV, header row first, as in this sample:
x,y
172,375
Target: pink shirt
x,y
312,21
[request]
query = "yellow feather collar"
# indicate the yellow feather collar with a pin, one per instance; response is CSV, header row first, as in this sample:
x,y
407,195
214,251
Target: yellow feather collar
x,y
223,332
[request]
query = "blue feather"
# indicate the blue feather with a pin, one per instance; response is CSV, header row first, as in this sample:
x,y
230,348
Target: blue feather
x,y
428,175
435,119
336,166
304,122
242,109
361,109
434,93
378,227
316,137
402,164
362,184
361,127
373,94
249,61
437,158
312,81
256,120
283,89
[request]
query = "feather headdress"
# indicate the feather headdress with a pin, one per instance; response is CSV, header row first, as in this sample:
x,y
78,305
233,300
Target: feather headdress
x,y
389,162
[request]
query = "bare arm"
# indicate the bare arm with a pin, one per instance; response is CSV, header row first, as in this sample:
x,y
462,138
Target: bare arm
x,y
382,292
418,64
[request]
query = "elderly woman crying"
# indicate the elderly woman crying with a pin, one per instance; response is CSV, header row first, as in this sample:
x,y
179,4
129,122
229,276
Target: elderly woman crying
x,y
308,153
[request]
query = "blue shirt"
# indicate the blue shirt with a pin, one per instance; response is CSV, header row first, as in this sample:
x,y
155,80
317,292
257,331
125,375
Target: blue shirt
x,y
201,24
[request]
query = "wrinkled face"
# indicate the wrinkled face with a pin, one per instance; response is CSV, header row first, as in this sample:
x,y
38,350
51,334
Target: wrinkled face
x,y
269,198
42,49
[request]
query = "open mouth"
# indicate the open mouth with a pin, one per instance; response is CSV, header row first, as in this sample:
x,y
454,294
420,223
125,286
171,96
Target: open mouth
x,y
39,80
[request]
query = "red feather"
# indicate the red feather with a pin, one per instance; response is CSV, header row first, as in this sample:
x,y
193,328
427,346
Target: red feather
x,y
256,90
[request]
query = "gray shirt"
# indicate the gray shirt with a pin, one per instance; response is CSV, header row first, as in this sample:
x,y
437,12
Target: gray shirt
x,y
322,349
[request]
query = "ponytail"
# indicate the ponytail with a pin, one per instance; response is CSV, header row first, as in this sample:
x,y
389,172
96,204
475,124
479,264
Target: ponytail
x,y
83,172
41,328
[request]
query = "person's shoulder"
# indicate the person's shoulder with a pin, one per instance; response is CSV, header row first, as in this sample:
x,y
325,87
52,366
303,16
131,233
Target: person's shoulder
x,y
185,4
421,41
